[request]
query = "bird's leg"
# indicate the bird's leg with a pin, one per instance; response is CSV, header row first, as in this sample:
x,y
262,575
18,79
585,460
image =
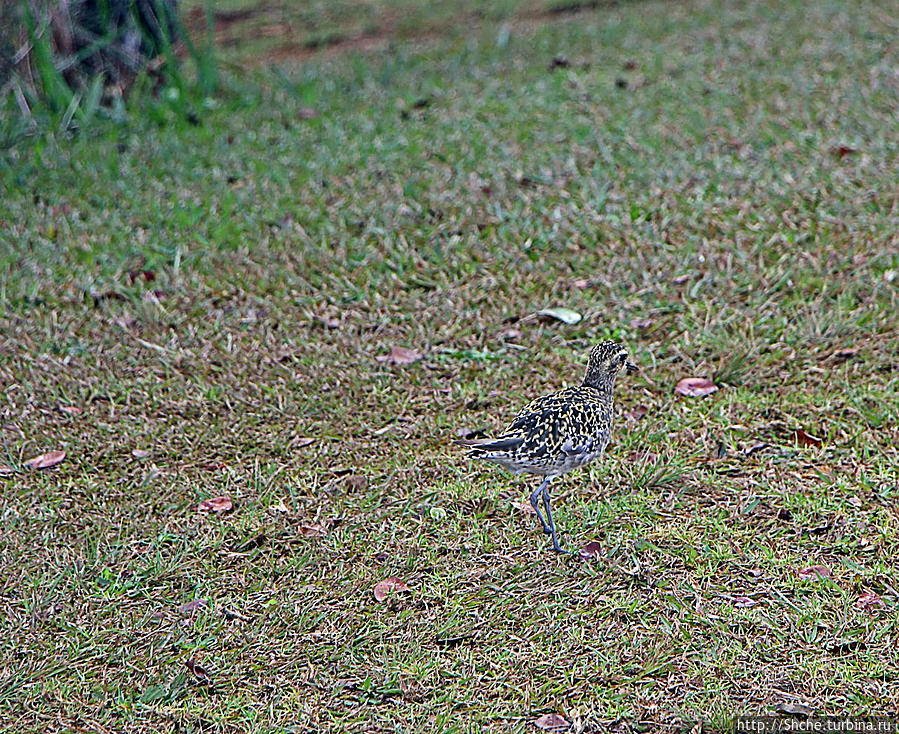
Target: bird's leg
x,y
550,526
535,496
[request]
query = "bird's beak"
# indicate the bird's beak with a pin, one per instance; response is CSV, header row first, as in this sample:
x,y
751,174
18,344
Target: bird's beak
x,y
630,368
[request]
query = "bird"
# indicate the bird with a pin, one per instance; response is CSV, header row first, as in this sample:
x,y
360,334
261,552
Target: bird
x,y
561,431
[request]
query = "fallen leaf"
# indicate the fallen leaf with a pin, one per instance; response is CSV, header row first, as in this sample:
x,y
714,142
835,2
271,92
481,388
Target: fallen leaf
x,y
388,586
581,283
70,409
552,722
785,514
794,709
192,606
565,315
216,505
591,550
869,601
695,387
315,530
806,439
299,443
45,461
140,453
6,469
526,507
329,322
842,647
510,334
213,466
741,602
814,572
841,151
199,672
400,356
250,544
845,353
357,482
637,413
280,507
135,275
307,113
641,323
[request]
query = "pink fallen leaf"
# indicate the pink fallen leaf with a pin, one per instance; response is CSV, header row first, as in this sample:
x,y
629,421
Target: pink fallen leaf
x,y
45,461
140,453
552,722
695,387
388,586
192,606
314,530
70,409
400,356
869,602
591,550
216,505
814,572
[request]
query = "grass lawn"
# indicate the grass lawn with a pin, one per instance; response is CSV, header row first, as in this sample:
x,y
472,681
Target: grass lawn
x,y
200,310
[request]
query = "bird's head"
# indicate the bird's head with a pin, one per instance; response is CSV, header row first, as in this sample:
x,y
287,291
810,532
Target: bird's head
x,y
607,359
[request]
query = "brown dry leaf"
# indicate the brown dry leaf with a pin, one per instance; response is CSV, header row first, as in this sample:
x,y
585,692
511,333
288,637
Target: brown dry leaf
x,y
400,356
526,507
357,482
841,151
389,586
315,530
216,505
806,439
70,409
329,322
845,353
869,602
591,550
637,413
552,722
695,387
45,461
741,602
299,443
192,606
814,572
794,709
581,283
199,672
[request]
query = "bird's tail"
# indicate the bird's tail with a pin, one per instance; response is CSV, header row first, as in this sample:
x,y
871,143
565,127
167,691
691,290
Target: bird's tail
x,y
501,444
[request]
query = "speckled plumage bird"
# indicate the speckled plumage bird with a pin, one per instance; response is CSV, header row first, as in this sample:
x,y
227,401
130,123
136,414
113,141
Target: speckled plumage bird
x,y
562,431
